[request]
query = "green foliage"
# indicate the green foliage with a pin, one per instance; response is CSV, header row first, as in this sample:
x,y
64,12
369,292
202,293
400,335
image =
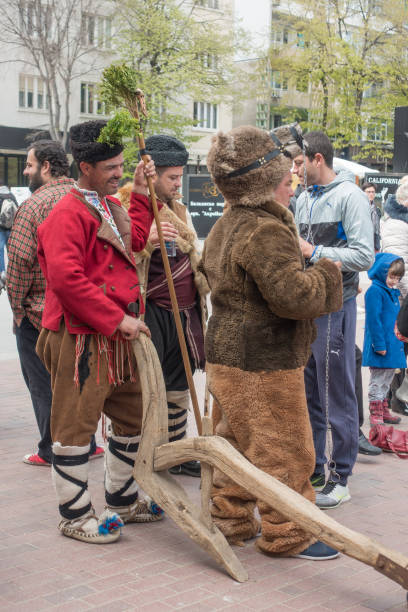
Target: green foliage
x,y
119,90
119,86
292,114
175,52
120,128
354,60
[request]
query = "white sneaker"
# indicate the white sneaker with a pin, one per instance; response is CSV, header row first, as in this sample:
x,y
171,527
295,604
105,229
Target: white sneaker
x,y
332,495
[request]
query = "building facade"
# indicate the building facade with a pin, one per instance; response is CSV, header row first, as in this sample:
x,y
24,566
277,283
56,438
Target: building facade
x,y
284,93
25,100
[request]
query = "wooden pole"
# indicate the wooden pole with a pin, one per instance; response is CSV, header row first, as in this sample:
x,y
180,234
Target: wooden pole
x,y
173,298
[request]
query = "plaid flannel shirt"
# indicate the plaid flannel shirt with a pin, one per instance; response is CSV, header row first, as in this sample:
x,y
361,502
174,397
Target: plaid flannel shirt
x,y
25,280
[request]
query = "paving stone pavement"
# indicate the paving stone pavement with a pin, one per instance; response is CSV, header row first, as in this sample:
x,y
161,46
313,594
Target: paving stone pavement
x,y
155,566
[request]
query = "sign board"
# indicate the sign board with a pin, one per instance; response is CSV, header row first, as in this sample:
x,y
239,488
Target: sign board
x,y
386,183
205,203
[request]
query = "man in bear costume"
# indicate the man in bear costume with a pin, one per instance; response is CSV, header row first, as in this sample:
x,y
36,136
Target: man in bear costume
x,y
260,332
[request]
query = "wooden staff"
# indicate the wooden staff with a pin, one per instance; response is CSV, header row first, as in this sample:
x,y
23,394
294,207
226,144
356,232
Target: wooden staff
x,y
176,312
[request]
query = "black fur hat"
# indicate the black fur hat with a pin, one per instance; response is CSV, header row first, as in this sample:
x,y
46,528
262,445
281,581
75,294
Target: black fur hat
x,y
82,140
166,150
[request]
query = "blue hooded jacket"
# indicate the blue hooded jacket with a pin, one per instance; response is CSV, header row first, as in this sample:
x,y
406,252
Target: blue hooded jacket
x,y
382,307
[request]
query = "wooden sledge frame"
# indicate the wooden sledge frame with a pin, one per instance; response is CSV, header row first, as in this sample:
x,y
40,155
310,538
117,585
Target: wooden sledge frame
x,y
156,455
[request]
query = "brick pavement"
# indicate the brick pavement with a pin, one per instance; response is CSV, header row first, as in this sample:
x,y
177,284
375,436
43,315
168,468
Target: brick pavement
x,y
156,567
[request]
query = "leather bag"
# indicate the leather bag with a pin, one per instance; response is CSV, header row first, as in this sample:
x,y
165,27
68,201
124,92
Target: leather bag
x,y
390,440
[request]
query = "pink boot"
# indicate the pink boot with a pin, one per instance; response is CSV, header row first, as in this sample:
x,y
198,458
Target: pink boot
x,y
387,416
376,413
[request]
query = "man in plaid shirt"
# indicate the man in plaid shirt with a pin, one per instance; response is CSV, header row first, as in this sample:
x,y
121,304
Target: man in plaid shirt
x,y
46,168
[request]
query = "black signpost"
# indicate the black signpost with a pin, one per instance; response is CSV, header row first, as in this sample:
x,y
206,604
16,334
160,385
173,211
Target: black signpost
x,y
205,203
386,183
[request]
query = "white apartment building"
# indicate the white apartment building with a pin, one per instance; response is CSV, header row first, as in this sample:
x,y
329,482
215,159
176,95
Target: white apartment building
x,y
279,89
283,92
24,103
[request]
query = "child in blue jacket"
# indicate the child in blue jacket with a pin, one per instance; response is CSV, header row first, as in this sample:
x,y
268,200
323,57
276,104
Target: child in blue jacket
x,y
382,352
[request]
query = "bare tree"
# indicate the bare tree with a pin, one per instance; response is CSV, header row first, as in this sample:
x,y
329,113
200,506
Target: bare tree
x,y
61,40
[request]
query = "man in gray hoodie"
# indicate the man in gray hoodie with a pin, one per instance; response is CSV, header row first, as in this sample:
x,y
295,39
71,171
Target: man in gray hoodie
x,y
333,219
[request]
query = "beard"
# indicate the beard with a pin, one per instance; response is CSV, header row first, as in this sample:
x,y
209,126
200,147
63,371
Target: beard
x,y
166,195
35,182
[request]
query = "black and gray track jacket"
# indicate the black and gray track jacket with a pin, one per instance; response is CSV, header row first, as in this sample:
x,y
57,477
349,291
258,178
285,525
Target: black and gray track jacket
x,y
336,219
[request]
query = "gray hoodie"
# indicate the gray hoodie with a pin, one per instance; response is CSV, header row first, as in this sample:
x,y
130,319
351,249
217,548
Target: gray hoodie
x,y
336,219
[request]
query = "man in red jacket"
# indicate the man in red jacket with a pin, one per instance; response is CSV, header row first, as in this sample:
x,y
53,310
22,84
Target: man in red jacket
x,y
92,303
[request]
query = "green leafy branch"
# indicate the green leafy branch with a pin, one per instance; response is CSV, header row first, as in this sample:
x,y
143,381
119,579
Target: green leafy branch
x,y
118,89
121,127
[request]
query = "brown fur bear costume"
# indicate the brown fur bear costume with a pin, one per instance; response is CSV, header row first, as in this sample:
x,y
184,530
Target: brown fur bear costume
x,y
260,332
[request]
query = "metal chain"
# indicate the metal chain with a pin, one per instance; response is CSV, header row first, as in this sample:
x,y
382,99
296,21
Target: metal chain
x,y
331,464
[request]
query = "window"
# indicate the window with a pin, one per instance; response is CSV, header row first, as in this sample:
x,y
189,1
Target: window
x,y
32,92
90,104
377,132
276,121
278,81
210,61
35,19
266,119
280,36
96,31
11,170
373,91
262,116
209,3
374,7
206,115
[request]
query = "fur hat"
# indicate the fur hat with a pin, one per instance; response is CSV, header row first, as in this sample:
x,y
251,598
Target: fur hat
x,y
82,140
166,150
232,153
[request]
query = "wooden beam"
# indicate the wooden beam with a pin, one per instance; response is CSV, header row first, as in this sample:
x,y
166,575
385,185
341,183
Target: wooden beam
x,y
156,455
219,453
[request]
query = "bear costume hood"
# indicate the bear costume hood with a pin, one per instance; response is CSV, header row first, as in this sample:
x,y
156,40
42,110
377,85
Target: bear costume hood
x,y
244,146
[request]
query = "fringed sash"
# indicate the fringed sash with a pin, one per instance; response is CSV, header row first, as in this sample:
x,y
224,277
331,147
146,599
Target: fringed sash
x,y
115,350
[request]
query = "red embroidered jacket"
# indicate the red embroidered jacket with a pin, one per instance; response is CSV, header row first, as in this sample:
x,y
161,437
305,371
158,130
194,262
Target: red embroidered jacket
x,y
91,278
